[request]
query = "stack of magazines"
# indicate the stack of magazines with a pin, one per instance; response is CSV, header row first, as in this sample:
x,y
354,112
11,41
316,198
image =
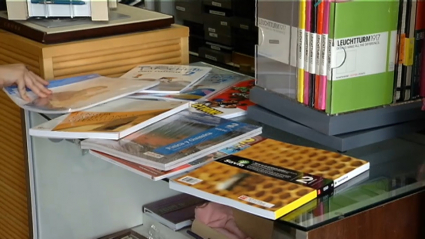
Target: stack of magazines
x,y
155,120
175,122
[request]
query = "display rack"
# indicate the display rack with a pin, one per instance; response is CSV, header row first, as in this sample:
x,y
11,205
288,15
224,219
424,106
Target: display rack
x,y
340,132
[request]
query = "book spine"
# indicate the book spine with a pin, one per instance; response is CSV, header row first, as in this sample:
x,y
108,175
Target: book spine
x,y
324,56
301,50
307,52
319,54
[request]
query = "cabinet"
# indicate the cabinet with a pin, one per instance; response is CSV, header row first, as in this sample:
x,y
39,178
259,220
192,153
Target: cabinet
x,y
109,56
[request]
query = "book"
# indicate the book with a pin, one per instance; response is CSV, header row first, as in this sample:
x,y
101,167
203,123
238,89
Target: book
x,y
247,186
112,120
228,103
270,178
175,212
172,78
156,174
125,19
78,93
217,79
175,140
356,80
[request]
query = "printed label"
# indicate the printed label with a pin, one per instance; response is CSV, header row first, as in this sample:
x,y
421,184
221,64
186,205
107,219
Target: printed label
x,y
213,58
324,55
274,40
256,201
318,53
307,52
215,48
217,13
352,57
152,154
223,23
312,53
392,51
294,43
301,45
211,29
242,26
213,34
190,180
217,4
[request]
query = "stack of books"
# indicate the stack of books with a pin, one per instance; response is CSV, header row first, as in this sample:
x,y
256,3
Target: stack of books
x,y
322,54
174,122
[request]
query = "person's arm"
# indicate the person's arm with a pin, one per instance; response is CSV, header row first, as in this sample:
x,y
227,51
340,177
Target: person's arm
x,y
18,74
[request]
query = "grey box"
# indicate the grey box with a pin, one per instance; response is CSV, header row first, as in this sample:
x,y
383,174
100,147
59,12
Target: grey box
x,y
336,124
341,142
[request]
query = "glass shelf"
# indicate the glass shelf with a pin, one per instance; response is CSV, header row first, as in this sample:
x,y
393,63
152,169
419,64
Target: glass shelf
x,y
397,169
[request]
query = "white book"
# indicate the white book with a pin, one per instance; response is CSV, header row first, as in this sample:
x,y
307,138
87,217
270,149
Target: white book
x,y
113,120
78,93
172,79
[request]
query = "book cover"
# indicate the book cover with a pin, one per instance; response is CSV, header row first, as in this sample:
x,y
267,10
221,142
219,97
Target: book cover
x,y
156,174
112,120
267,191
217,79
330,165
78,93
228,103
362,54
172,78
176,140
175,212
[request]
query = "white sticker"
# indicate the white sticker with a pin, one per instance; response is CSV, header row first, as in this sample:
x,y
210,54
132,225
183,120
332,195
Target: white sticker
x,y
301,46
255,201
152,154
190,180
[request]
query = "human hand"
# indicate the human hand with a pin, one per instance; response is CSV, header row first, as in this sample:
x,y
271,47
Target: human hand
x,y
18,74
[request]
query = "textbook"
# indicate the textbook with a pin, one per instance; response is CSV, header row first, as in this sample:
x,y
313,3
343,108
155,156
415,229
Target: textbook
x,y
176,140
362,54
112,120
172,79
78,93
270,178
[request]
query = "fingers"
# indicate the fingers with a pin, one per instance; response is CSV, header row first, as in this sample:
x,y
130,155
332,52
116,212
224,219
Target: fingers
x,y
39,79
22,89
40,83
32,84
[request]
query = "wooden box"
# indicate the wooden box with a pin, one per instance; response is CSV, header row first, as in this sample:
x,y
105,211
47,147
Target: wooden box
x,y
109,56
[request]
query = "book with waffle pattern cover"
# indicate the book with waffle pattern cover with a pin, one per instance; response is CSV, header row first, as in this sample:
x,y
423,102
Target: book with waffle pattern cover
x,y
271,178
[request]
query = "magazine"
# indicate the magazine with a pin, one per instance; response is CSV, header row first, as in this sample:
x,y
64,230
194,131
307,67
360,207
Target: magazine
x,y
112,120
78,93
176,140
230,102
216,80
156,174
171,78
